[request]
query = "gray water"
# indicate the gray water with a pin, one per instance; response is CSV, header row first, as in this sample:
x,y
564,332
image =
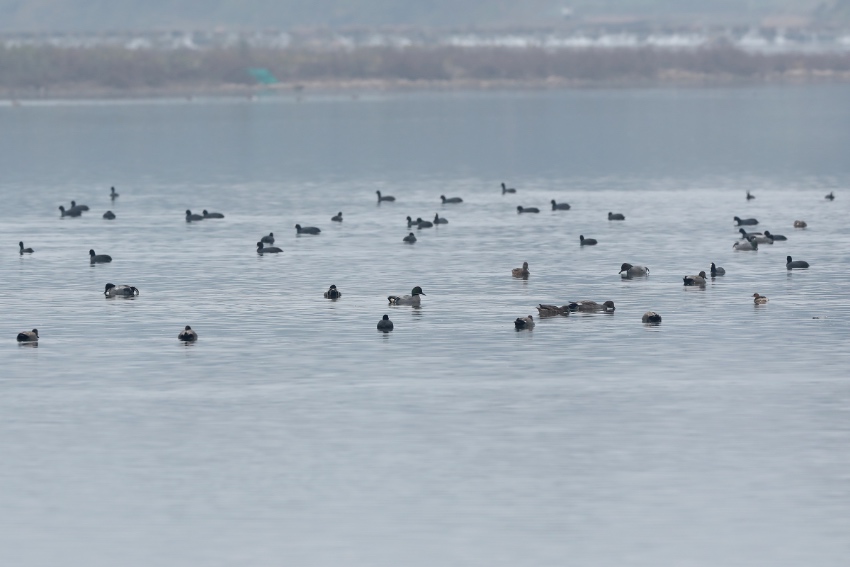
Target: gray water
x,y
294,433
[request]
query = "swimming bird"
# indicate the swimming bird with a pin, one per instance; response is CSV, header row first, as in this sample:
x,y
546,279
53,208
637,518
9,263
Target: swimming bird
x,y
337,217
521,272
24,250
113,290
69,212
750,196
386,198
507,189
385,324
587,306
113,194
28,336
745,222
524,323
74,205
109,215
453,200
695,280
268,239
615,216
651,317
262,249
521,209
586,241
190,217
332,293
715,271
439,220
755,237
745,245
774,236
412,299
99,258
423,223
209,215
795,264
552,310
800,224
560,207
307,229
410,222
187,335
630,271
759,299
830,197
410,238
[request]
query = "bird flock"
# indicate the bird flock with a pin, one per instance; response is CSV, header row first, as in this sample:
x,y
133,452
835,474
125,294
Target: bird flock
x,y
749,241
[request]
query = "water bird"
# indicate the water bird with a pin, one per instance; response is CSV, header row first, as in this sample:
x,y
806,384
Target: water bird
x,y
750,196
439,220
524,323
715,271
774,236
69,212
28,336
109,215
830,197
99,258
521,272
263,249
695,280
630,271
113,194
560,207
337,217
759,299
412,299
651,317
410,222
190,217
507,189
615,216
332,293
586,241
521,210
746,245
209,215
552,310
795,264
24,250
268,239
187,335
745,222
410,238
423,223
453,200
800,224
113,290
307,229
74,205
587,306
755,237
382,199
385,324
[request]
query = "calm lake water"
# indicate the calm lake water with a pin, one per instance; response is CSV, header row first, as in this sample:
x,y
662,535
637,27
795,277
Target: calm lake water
x,y
293,433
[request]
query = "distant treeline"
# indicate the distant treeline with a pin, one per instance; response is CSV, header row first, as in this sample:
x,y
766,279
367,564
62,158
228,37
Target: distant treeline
x,y
30,70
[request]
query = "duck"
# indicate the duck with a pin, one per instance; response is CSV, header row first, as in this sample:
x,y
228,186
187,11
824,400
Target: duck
x,y
560,207
74,205
830,197
695,280
615,216
552,310
591,306
387,198
755,237
268,239
385,324
410,222
262,249
412,299
795,264
774,236
746,245
307,229
651,317
715,271
337,217
28,336
451,201
439,220
332,293
24,250
113,290
209,215
745,222
187,335
109,215
113,195
99,258
586,241
410,238
521,272
759,299
521,210
69,212
190,217
750,196
507,189
423,223
630,271
800,224
524,323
